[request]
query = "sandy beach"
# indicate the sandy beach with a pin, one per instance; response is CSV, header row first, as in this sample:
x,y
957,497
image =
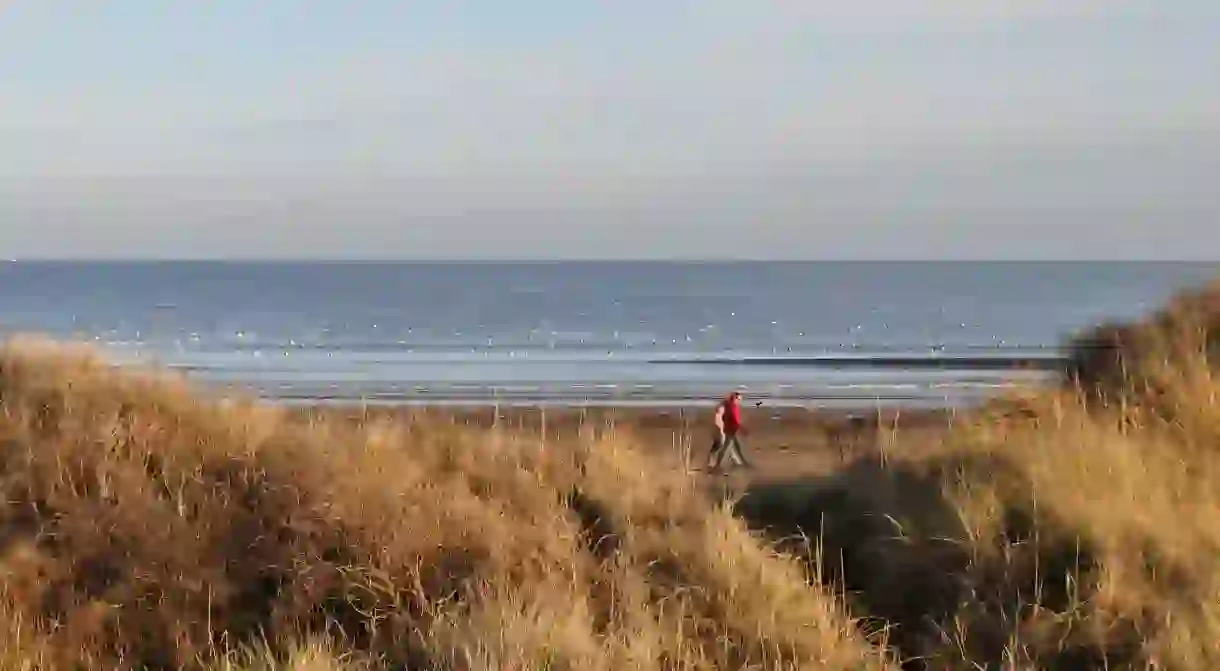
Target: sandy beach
x,y
782,443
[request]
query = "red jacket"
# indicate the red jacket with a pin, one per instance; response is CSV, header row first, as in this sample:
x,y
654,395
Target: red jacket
x,y
732,415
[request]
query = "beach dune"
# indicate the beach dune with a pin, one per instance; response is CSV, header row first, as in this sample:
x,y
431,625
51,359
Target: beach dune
x,y
148,525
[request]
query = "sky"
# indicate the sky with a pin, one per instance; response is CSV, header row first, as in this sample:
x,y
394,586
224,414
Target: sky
x,y
764,129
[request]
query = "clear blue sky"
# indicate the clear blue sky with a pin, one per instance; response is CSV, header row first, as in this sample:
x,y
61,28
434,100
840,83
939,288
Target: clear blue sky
x,y
681,128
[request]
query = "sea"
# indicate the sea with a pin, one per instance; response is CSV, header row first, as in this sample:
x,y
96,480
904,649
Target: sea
x,y
818,334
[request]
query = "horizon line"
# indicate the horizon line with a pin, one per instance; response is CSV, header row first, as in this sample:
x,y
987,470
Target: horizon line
x,y
581,260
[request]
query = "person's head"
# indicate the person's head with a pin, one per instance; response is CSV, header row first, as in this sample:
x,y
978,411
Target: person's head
x,y
735,397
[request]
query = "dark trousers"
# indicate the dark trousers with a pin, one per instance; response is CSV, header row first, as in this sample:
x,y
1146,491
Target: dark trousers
x,y
730,444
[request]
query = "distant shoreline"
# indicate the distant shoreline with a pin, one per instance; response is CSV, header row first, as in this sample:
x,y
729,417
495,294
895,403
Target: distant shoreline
x,y
978,380
1049,362
851,406
652,400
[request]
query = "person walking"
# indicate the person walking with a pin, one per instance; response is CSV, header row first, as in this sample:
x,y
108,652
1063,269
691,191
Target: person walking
x,y
728,434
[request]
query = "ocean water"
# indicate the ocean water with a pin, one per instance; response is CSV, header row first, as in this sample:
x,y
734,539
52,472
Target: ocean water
x,y
581,332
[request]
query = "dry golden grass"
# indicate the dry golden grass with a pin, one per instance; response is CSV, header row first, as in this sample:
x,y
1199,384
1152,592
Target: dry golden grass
x,y
145,527
1073,528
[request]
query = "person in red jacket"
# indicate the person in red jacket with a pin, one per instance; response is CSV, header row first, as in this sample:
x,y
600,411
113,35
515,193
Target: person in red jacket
x,y
728,431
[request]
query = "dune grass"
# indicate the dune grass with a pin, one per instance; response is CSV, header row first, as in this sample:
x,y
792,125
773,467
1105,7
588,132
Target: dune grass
x,y
146,526
1074,528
